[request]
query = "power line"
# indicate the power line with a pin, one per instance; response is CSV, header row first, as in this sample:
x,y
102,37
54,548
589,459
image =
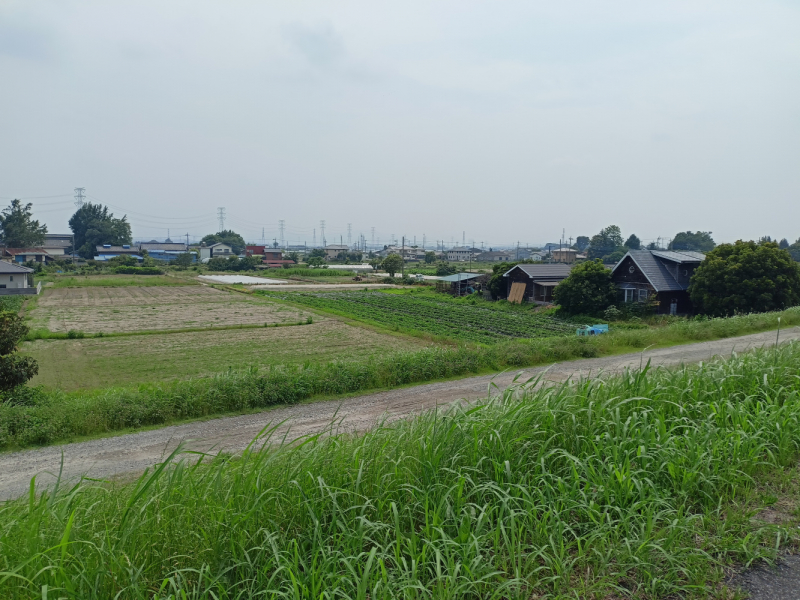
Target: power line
x,y
79,196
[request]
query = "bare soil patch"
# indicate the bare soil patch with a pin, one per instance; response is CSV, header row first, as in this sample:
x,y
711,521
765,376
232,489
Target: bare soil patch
x,y
125,310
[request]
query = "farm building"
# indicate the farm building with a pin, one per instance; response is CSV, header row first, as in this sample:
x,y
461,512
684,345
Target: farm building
x,y
565,255
23,255
642,274
57,244
167,251
461,284
534,283
107,251
15,279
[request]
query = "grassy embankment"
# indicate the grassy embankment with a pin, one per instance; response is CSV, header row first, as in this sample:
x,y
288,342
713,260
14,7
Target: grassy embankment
x,y
58,416
639,486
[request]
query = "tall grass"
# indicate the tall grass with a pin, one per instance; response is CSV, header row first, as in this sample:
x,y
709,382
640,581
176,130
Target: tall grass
x,y
58,416
12,303
631,487
301,272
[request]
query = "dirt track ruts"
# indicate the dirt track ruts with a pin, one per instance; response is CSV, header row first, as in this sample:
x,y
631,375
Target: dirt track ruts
x,y
131,453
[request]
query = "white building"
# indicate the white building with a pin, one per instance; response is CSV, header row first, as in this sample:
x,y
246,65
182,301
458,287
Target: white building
x,y
13,277
460,254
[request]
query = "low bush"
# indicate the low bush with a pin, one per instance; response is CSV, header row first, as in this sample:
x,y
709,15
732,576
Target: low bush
x,y
637,486
138,271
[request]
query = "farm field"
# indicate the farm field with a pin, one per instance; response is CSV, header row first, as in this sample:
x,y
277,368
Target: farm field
x,y
130,309
102,362
71,281
417,312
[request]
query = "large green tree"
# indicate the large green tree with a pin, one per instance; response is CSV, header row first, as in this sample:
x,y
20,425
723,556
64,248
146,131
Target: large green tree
x,y
606,242
18,229
587,291
745,277
633,242
794,250
392,264
14,370
94,226
231,238
699,241
582,243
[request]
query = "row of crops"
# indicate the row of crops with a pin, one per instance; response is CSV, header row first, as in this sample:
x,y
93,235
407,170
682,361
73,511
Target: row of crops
x,y
454,320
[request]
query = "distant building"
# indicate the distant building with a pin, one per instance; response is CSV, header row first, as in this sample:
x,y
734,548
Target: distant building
x,y
15,279
23,255
460,254
107,252
334,250
216,250
57,244
496,256
564,255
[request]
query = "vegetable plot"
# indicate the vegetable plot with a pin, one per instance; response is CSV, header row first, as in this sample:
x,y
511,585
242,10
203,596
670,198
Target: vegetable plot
x,y
454,320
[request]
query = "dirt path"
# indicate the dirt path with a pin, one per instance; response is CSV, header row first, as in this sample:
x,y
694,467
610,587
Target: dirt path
x,y
132,453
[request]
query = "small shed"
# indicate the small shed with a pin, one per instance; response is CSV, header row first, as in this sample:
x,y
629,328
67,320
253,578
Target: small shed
x,y
16,279
534,283
462,284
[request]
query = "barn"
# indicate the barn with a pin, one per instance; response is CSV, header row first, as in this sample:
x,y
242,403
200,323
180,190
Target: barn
x,y
642,275
534,283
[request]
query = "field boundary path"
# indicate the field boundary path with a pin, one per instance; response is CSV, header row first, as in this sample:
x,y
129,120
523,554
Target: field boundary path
x,y
132,453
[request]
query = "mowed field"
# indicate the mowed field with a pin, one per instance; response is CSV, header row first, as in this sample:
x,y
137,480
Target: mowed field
x,y
129,309
162,353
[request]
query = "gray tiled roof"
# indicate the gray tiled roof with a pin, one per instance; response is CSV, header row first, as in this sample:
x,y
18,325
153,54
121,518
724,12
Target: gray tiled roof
x,y
680,256
543,271
7,268
656,271
460,277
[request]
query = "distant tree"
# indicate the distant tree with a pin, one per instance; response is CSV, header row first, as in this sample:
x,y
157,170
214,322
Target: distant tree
x,y
231,238
443,269
318,253
392,264
123,260
745,277
315,261
14,370
604,243
784,244
587,291
375,262
294,257
430,257
183,260
652,246
497,283
94,226
699,241
147,260
794,250
633,242
355,256
582,243
18,229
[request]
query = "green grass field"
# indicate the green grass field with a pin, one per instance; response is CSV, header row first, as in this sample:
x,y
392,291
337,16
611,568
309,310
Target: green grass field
x,y
119,361
641,486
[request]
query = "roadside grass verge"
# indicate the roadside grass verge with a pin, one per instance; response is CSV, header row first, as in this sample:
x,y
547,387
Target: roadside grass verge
x,y
52,416
643,485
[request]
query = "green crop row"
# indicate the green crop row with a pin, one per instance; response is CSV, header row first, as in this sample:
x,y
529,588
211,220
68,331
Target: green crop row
x,y
460,321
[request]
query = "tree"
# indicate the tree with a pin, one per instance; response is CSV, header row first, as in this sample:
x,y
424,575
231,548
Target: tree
x,y
588,290
444,268
582,243
231,238
17,227
699,241
317,253
604,243
315,261
497,283
430,257
794,250
392,264
183,260
14,370
123,260
375,263
784,244
294,257
94,226
745,277
633,242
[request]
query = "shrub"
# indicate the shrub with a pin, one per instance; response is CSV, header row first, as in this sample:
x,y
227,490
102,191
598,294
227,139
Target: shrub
x,y
138,271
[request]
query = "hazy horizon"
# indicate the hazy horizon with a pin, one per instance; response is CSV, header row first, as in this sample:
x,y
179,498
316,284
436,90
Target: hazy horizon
x,y
509,122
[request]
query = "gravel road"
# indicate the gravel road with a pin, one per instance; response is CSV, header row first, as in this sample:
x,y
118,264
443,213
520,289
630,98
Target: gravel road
x,y
132,453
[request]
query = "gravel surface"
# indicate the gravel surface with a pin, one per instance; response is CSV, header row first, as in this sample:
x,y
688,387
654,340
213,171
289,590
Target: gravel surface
x,y
781,582
132,453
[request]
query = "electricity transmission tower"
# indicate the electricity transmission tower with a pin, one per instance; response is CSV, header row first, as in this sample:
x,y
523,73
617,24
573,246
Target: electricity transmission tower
x,y
349,233
221,217
322,232
79,197
281,225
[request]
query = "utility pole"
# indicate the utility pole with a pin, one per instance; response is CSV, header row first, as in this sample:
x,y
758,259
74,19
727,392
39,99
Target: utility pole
x,y
263,236
79,197
314,239
423,242
373,237
349,233
463,238
221,217
187,241
517,250
403,256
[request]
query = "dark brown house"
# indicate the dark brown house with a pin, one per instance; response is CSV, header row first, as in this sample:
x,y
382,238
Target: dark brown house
x,y
539,281
644,274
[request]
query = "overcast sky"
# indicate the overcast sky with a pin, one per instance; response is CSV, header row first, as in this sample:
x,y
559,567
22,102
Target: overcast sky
x,y
509,121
